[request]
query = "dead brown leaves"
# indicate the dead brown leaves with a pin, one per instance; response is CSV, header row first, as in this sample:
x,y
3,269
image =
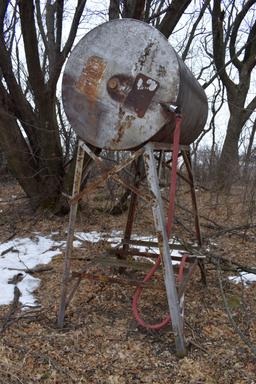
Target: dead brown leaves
x,y
101,342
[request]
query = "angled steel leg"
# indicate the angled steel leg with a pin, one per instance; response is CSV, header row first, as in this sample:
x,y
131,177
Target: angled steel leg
x,y
169,277
133,203
71,229
188,163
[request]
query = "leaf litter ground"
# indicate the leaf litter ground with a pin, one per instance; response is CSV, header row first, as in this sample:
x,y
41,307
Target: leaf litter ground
x,y
101,342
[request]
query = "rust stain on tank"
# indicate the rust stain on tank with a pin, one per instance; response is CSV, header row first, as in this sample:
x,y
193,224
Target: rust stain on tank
x,y
90,77
143,57
123,124
120,126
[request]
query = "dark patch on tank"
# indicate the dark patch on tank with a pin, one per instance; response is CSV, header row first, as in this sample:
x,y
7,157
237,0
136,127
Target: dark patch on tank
x,y
120,126
161,72
141,94
143,57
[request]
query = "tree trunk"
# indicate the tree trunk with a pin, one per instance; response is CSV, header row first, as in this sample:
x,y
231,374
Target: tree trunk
x,y
50,158
39,169
249,152
113,11
228,170
20,162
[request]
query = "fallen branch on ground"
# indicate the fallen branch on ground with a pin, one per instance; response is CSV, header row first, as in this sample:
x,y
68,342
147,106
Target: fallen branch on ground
x,y
31,271
12,310
234,229
230,316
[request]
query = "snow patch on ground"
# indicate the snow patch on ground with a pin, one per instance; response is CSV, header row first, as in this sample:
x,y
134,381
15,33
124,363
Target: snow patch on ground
x,y
18,255
21,254
244,277
94,237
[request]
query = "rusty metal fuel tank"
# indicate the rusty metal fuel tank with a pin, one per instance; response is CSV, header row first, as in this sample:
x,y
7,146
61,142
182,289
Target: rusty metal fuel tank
x,y
116,81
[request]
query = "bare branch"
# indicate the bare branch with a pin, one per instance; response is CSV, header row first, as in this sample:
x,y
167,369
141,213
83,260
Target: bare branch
x,y
113,10
3,9
50,15
218,44
36,79
172,16
159,12
59,22
250,50
74,26
192,33
232,46
40,23
250,108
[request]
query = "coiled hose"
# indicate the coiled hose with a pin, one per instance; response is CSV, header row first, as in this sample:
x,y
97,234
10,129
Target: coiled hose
x,y
170,217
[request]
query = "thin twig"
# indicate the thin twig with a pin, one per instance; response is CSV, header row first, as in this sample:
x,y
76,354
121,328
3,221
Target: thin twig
x,y
12,310
230,317
234,229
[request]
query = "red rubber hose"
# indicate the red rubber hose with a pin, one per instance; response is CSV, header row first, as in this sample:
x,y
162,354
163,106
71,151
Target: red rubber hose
x,y
170,218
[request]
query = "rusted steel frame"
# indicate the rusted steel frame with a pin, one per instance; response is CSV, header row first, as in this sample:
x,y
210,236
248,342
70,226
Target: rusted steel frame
x,y
114,262
168,165
80,275
160,163
135,190
188,163
105,175
90,187
70,237
136,252
129,222
132,206
158,146
169,277
182,286
201,265
183,178
100,162
92,155
73,290
115,280
155,244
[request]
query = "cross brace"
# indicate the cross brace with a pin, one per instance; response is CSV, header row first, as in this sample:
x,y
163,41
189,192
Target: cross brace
x,y
155,200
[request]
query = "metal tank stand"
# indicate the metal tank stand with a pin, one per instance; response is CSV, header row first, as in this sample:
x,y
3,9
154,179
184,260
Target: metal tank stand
x,y
163,243
153,197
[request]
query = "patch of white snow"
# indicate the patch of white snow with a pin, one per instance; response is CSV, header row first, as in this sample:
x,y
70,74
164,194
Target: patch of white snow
x,y
19,255
247,278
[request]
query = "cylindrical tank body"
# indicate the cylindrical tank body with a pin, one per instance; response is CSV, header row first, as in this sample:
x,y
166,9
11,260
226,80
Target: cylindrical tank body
x,y
116,80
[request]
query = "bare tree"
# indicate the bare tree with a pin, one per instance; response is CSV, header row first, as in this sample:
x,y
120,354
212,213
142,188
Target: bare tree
x,y
249,150
167,13
234,42
29,129
33,49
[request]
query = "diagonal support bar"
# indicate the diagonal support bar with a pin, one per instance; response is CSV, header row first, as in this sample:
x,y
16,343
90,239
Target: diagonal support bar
x,y
188,163
112,172
71,229
169,277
